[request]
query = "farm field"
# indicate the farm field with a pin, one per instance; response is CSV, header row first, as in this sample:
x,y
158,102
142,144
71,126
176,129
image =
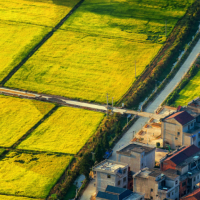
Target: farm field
x,y
70,68
15,42
96,50
23,24
5,197
31,175
66,131
17,116
38,12
189,92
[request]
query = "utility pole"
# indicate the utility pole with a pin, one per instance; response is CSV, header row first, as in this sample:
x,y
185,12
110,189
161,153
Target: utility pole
x,y
135,68
107,104
112,104
166,28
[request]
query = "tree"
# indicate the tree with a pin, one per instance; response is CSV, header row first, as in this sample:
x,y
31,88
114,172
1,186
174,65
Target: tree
x,y
98,153
86,164
105,141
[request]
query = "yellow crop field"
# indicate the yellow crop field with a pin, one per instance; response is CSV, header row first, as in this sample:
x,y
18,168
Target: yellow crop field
x,y
23,24
6,197
78,66
95,51
40,12
17,116
31,175
66,130
15,42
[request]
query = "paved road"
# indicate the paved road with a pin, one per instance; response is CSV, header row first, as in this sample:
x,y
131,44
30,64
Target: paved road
x,y
150,109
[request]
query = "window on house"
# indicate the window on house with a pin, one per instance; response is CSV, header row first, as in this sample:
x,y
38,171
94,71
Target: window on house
x,y
193,165
188,126
178,133
194,138
142,164
176,138
194,179
124,179
176,182
151,198
118,182
184,183
108,176
124,171
151,190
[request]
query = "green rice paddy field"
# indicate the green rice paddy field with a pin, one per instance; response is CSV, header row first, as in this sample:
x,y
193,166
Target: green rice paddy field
x,y
189,92
94,52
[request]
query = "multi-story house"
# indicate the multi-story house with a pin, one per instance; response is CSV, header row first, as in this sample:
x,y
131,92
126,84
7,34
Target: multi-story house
x,y
137,156
112,173
180,128
112,193
186,162
156,184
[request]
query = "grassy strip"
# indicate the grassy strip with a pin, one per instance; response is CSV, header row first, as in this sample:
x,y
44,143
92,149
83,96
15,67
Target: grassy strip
x,y
174,71
38,45
173,97
159,67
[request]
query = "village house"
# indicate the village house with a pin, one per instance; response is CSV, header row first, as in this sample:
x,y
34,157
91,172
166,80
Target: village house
x,y
109,172
186,162
116,193
137,156
156,184
182,127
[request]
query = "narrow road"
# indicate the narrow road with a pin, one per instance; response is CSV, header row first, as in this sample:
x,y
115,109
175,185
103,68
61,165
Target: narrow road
x,y
150,109
64,101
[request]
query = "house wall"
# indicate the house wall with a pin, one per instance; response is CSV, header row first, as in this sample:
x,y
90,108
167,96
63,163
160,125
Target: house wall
x,y
187,140
167,164
134,161
150,159
169,132
102,181
183,189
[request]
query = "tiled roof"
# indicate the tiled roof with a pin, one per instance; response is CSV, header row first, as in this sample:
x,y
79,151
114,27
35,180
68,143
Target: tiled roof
x,y
183,154
182,117
193,196
114,189
114,193
108,196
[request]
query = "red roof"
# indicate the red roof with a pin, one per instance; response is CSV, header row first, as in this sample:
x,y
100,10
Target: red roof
x,y
183,154
182,117
193,196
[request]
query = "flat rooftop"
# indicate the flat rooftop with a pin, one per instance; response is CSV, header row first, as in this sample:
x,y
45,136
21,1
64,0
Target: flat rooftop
x,y
135,148
109,166
145,173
